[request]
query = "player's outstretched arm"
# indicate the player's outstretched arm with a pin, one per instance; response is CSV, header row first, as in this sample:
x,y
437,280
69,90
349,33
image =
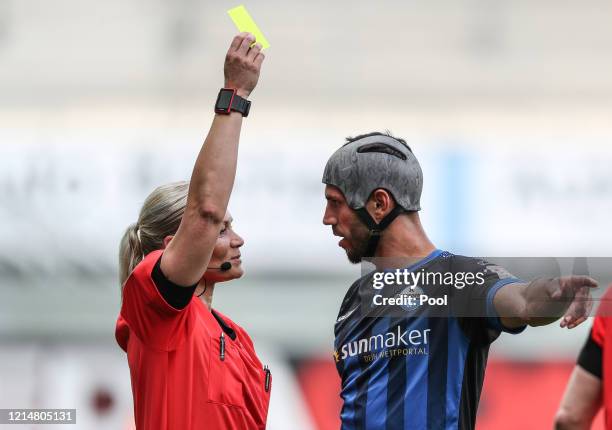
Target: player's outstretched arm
x,y
187,255
581,401
544,301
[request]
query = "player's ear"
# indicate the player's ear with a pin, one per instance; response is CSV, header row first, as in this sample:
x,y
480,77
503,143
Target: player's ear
x,y
380,204
167,240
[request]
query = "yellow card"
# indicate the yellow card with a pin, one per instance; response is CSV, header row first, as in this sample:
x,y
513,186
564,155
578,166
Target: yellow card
x,y
244,22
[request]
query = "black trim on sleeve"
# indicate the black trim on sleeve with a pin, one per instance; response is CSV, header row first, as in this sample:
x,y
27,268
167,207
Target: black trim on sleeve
x,y
590,357
175,295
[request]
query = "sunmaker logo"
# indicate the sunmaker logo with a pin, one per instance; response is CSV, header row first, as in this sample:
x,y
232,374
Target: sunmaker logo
x,y
395,342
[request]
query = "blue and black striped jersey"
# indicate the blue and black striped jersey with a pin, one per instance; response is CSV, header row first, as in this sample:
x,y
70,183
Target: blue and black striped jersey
x,y
422,367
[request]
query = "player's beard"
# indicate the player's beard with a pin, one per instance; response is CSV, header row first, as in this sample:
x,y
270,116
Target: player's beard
x,y
360,237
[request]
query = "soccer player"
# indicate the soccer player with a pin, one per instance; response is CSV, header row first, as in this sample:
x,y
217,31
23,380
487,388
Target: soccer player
x,y
419,365
192,367
589,385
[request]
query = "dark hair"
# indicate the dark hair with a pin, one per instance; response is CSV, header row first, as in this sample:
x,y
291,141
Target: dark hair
x,y
387,133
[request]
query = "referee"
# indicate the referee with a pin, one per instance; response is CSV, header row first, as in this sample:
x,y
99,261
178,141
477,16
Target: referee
x,y
419,365
590,384
192,367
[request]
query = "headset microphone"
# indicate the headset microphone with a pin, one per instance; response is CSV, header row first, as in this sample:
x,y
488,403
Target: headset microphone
x,y
225,266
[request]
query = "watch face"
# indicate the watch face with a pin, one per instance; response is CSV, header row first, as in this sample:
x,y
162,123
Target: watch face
x,y
224,100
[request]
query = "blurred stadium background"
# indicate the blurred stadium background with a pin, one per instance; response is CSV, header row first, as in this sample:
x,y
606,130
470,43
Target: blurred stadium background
x,y
507,105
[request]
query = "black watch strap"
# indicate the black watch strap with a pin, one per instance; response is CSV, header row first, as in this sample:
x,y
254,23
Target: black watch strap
x,y
241,105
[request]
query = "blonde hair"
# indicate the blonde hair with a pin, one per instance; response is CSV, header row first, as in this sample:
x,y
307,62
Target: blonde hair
x,y
160,216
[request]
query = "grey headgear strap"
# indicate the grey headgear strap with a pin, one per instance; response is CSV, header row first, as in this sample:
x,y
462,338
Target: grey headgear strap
x,y
376,230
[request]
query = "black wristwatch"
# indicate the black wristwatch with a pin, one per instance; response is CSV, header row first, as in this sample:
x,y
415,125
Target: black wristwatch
x,y
228,100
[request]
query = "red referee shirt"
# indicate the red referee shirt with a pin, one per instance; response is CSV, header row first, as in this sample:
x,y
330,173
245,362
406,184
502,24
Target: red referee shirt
x,y
179,380
596,355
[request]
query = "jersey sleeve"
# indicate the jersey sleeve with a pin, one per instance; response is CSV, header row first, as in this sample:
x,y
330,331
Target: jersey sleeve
x,y
175,295
149,316
590,357
495,278
477,299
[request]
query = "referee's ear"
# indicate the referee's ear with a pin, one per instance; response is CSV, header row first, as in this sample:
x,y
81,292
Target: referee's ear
x,y
167,240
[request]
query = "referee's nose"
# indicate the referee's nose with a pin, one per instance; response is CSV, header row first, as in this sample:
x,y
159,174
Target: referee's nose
x,y
237,241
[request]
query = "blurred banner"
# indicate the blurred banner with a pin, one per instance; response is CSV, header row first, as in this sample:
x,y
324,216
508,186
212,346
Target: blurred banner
x,y
69,198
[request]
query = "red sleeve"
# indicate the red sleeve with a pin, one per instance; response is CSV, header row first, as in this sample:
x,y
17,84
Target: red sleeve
x,y
599,330
148,315
602,318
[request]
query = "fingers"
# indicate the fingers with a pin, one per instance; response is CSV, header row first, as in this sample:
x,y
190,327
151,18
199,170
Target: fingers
x,y
570,322
259,59
241,44
578,281
577,322
246,43
256,49
237,41
570,285
579,310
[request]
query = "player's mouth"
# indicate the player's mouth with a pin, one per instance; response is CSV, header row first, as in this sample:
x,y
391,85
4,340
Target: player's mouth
x,y
342,243
236,259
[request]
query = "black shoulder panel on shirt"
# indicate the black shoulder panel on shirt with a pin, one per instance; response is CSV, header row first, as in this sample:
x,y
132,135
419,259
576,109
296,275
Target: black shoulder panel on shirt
x,y
176,296
226,328
590,357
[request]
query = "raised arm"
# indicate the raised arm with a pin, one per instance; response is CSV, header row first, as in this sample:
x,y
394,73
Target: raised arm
x,y
187,255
